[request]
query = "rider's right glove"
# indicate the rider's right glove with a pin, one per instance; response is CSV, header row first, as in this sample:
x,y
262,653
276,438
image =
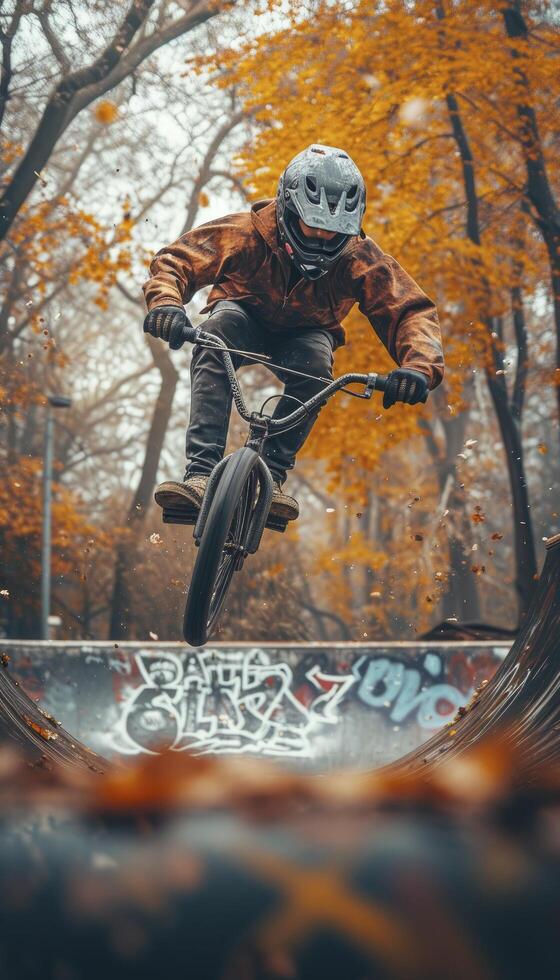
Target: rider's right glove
x,y
407,386
170,323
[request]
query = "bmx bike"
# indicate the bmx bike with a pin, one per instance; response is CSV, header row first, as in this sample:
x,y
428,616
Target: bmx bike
x,y
235,509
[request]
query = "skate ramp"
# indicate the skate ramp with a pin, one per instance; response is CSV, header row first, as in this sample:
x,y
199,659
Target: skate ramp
x,y
311,707
521,703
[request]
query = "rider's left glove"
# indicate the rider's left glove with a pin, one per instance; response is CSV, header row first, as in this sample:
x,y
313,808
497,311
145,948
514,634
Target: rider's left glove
x,y
169,323
405,386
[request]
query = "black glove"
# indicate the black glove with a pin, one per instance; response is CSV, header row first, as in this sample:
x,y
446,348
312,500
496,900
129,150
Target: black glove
x,y
170,323
405,386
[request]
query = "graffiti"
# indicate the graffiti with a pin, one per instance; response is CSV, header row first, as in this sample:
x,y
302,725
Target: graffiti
x,y
402,689
337,703
217,701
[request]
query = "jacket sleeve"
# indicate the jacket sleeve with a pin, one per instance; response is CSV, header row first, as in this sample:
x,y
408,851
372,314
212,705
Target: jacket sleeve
x,y
403,316
199,258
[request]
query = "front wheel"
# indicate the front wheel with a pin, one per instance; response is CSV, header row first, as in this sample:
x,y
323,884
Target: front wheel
x,y
222,546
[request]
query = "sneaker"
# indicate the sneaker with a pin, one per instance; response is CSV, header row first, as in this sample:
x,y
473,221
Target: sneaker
x,y
184,495
283,506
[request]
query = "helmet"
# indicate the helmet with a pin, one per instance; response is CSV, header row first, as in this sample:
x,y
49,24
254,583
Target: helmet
x,y
324,188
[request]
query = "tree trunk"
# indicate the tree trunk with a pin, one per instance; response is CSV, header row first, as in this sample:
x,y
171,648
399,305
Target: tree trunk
x,y
523,537
525,558
539,189
126,550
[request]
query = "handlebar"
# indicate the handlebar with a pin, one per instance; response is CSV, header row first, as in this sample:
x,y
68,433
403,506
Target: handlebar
x,y
195,335
182,335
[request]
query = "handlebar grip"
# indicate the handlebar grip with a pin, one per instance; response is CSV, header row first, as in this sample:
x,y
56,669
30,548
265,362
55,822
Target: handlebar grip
x,y
182,334
381,382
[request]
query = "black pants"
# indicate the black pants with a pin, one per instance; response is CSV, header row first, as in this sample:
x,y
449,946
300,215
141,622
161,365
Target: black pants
x,y
303,350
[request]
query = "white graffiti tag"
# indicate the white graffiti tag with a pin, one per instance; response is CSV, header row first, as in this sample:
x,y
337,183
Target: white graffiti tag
x,y
218,701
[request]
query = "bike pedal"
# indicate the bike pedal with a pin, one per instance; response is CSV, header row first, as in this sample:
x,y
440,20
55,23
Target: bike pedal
x,y
179,515
276,524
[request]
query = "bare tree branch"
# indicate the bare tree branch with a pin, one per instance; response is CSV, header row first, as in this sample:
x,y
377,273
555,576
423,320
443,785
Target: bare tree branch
x,y
80,88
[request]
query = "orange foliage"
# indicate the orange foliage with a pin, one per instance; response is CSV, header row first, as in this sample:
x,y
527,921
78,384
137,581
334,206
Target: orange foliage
x,y
390,114
374,79
56,231
73,536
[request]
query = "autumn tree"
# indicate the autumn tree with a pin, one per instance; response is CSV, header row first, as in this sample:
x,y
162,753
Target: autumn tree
x,y
130,36
437,135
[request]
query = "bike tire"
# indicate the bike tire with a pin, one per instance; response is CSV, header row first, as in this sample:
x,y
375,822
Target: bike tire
x,y
226,528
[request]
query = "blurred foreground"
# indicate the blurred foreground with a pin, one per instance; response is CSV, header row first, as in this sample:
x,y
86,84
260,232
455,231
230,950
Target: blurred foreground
x,y
444,863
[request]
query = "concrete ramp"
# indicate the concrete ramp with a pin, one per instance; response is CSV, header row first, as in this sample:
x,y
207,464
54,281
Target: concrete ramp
x,y
522,701
314,707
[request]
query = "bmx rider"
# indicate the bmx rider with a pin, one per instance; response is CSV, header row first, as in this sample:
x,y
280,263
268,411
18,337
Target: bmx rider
x,y
284,275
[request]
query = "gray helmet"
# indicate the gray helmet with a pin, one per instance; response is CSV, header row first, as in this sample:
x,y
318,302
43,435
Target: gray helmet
x,y
322,186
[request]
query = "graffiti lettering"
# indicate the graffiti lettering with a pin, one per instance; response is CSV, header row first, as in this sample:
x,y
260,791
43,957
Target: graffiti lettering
x,y
216,701
401,689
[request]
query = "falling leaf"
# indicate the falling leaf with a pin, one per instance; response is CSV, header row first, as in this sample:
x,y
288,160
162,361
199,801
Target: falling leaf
x,y
478,517
153,636
496,536
4,593
155,538
43,732
470,443
542,448
106,112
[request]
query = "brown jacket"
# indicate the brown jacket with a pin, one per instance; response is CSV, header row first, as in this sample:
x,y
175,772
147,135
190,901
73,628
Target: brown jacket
x,y
241,257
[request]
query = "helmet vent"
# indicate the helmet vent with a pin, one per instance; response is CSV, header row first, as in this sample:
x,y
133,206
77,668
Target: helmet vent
x,y
315,149
311,184
352,198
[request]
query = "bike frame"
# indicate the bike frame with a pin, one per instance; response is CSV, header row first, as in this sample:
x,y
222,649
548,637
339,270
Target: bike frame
x,y
262,426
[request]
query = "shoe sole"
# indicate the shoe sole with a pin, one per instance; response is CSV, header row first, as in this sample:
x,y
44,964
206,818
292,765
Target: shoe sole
x,y
284,512
170,497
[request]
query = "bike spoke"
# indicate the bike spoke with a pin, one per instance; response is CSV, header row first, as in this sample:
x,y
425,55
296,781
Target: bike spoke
x,y
235,542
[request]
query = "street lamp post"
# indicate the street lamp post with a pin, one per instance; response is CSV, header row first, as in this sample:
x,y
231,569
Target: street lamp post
x,y
54,401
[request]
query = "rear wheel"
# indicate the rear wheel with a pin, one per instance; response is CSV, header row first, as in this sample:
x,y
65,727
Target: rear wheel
x,y
222,548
